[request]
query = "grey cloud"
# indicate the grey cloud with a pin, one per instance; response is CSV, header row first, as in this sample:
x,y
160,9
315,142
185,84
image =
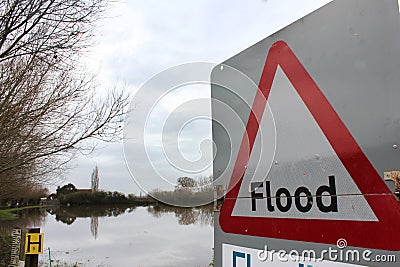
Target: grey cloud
x,y
166,33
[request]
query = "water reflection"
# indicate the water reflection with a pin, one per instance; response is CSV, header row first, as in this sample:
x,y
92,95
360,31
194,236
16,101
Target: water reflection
x,y
94,225
26,218
152,236
185,216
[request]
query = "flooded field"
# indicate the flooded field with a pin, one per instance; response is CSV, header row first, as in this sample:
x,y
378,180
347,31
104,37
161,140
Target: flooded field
x,y
122,236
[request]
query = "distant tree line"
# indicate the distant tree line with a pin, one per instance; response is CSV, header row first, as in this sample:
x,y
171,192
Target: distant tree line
x,y
187,192
27,197
69,195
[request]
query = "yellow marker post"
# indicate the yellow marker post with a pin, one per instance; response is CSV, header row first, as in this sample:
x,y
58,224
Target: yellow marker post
x,y
34,243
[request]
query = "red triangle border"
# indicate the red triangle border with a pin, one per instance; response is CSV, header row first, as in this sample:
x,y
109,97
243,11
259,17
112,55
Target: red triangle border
x,y
376,235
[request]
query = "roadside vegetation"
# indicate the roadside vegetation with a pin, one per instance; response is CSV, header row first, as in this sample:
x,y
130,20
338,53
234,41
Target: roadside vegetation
x,y
49,108
28,197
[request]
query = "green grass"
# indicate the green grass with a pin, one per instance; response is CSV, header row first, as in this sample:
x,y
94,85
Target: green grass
x,y
8,214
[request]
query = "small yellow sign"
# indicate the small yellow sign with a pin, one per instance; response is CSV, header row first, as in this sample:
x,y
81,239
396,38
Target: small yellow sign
x,y
34,243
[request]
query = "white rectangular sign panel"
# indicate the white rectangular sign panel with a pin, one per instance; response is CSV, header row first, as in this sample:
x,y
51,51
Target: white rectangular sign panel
x,y
237,256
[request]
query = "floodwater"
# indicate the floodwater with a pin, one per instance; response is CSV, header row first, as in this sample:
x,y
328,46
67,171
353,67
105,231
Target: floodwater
x,y
141,236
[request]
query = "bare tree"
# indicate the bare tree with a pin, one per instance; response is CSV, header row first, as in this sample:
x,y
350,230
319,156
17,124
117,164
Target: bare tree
x,y
48,104
95,180
48,29
205,183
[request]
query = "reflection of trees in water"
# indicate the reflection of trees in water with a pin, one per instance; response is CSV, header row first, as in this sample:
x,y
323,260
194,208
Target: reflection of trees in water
x,y
94,226
186,216
26,218
69,215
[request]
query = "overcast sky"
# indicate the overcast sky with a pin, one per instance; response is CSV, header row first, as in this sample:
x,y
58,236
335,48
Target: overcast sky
x,y
138,39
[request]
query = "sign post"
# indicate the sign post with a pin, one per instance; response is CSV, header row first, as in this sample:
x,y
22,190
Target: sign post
x,y
34,242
